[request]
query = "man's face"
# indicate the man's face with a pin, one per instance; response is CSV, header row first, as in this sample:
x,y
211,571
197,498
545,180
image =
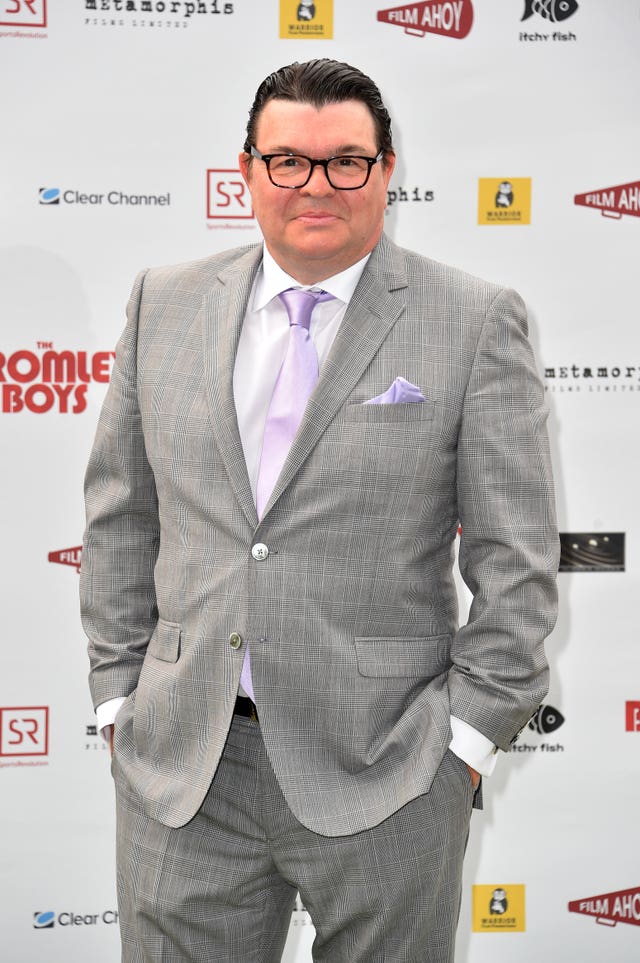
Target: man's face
x,y
316,231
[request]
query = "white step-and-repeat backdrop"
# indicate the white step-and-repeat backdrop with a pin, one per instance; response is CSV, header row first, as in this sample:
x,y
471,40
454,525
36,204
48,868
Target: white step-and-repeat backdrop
x,y
517,130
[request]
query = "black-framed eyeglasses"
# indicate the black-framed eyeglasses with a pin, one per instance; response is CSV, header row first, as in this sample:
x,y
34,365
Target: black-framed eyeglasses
x,y
346,172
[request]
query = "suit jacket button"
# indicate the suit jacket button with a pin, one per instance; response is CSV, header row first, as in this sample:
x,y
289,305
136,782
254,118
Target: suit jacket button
x,y
259,552
235,640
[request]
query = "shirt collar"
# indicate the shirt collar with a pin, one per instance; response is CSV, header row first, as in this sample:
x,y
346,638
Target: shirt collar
x,y
272,281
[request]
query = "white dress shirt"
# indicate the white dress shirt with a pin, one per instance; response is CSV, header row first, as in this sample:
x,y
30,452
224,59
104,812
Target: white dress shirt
x,y
261,350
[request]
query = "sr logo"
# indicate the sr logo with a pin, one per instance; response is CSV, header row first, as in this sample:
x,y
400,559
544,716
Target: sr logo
x,y
24,731
23,13
228,197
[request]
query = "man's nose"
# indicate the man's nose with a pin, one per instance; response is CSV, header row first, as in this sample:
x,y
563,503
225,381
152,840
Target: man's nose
x,y
318,184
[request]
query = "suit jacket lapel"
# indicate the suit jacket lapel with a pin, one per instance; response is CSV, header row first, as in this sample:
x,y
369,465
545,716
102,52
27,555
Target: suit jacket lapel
x,y
223,312
376,305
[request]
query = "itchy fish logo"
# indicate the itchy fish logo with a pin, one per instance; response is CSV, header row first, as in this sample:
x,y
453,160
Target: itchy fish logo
x,y
547,719
609,909
554,10
613,201
447,19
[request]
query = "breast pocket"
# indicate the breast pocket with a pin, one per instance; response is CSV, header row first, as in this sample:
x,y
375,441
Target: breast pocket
x,y
403,413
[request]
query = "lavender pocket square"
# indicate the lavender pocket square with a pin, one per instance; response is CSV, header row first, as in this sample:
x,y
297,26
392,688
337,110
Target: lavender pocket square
x,y
400,392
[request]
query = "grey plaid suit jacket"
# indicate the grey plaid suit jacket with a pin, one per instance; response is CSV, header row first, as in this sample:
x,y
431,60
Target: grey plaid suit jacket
x,y
357,656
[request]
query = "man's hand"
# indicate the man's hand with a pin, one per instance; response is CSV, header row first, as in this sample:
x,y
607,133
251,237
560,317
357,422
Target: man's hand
x,y
475,776
111,731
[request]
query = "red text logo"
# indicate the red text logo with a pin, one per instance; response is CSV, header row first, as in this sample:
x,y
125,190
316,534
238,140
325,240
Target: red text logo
x,y
633,716
613,201
23,13
24,731
228,196
47,380
67,556
448,18
611,908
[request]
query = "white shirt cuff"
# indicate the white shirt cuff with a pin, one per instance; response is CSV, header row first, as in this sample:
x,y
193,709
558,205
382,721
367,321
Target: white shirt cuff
x,y
106,713
473,747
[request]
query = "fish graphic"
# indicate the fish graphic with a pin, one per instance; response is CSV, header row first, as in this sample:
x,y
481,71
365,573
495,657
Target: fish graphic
x,y
554,10
547,719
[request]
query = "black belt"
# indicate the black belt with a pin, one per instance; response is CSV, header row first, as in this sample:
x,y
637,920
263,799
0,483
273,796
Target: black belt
x,y
246,707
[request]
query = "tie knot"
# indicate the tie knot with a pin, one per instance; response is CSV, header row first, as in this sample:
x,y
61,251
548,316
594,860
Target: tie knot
x,y
299,304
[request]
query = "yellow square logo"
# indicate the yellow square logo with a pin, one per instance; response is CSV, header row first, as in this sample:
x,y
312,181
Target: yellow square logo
x,y
498,909
504,200
306,19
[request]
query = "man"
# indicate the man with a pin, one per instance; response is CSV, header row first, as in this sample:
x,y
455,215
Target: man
x,y
273,500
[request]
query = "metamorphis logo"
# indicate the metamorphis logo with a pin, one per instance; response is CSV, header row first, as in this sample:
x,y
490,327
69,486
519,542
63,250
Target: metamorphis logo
x,y
49,380
448,18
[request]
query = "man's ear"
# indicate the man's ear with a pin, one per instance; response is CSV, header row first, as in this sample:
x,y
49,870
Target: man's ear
x,y
244,163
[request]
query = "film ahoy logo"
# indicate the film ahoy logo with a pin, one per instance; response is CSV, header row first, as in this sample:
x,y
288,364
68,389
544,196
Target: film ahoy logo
x,y
47,380
632,716
609,909
23,13
67,556
613,201
228,197
451,18
24,731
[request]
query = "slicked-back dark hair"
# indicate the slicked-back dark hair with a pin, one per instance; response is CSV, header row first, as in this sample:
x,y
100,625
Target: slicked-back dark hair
x,y
319,83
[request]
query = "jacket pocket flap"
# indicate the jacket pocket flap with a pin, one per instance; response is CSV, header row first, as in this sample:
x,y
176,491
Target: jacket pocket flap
x,y
165,642
424,657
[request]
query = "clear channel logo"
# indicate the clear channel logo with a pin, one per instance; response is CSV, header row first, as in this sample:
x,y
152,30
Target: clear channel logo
x,y
47,919
49,196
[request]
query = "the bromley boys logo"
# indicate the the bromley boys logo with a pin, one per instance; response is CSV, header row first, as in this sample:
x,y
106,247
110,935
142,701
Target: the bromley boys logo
x,y
47,380
613,201
447,18
622,906
67,556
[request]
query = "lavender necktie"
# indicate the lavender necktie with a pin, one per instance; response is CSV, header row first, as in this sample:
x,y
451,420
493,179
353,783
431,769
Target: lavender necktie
x,y
296,380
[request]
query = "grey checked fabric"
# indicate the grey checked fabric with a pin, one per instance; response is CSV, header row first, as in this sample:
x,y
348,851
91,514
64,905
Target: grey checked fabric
x,y
221,888
357,656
